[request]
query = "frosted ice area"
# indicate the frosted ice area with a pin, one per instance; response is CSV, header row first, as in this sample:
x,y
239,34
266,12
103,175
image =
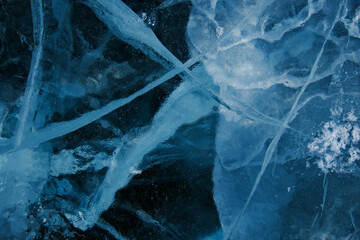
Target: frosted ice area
x,y
179,119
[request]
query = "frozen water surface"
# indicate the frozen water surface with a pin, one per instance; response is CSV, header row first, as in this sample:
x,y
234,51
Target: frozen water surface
x,y
179,119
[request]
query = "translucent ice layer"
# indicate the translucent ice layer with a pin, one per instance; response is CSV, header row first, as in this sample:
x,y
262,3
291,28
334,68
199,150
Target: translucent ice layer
x,y
296,62
180,119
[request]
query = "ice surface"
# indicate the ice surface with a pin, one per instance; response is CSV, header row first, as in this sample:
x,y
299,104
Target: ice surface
x,y
179,119
282,59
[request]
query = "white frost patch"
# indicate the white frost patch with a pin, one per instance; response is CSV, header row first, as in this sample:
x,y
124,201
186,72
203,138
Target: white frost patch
x,y
355,134
336,112
135,171
72,161
351,116
336,145
354,154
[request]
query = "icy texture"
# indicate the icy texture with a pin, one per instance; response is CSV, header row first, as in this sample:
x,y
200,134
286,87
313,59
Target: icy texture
x,y
296,62
179,119
100,94
337,146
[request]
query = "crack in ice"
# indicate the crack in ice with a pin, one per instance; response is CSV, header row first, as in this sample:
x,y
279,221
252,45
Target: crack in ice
x,y
189,105
31,91
103,224
60,129
144,35
270,150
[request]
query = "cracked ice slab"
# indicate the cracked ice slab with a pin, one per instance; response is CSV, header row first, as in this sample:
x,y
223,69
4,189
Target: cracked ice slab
x,y
261,63
125,24
184,105
32,86
286,91
117,20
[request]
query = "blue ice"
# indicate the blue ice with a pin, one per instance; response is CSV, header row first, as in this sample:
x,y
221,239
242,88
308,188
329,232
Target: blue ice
x,y
106,99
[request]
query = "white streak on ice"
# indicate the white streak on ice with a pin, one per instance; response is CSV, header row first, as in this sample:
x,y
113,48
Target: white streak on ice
x,y
169,3
125,24
270,151
109,228
184,105
59,129
32,85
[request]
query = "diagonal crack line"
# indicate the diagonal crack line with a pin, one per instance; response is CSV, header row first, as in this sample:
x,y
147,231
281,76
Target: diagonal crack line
x,y
270,151
103,224
169,3
126,24
173,114
30,94
59,129
256,115
243,111
103,198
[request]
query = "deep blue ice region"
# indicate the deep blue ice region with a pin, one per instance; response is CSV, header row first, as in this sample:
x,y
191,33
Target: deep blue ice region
x,y
179,119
